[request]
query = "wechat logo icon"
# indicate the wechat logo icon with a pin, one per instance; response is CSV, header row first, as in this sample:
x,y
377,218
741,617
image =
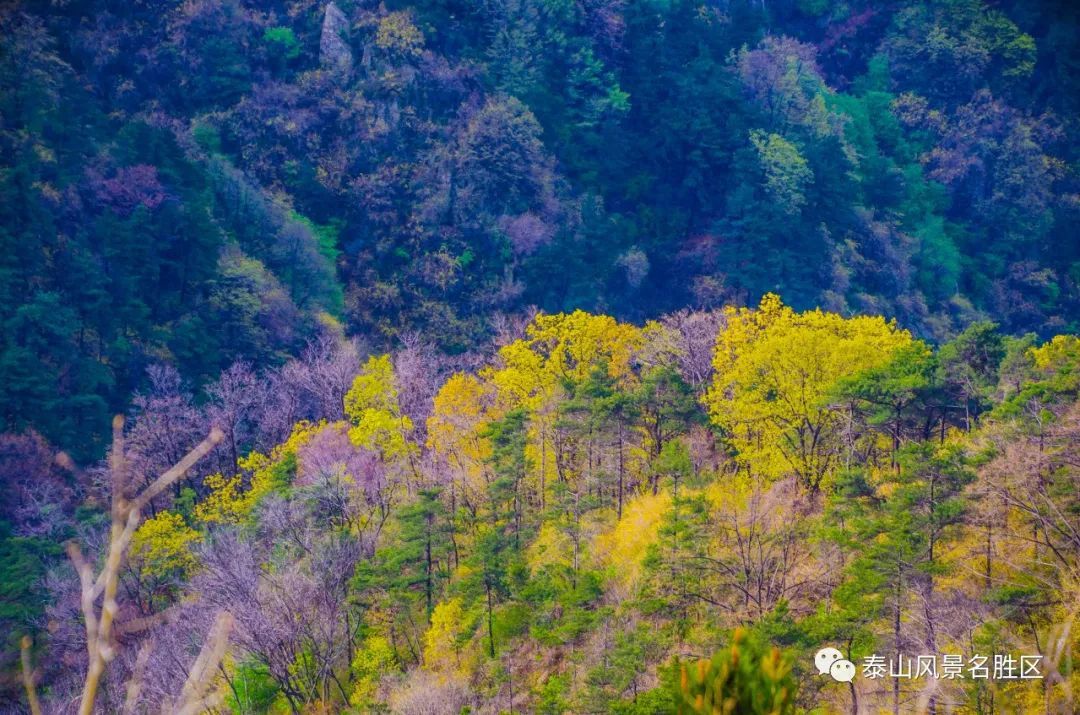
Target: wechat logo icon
x,y
830,661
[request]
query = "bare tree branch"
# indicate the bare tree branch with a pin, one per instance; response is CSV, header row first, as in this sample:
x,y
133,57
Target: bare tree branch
x,y
126,516
28,677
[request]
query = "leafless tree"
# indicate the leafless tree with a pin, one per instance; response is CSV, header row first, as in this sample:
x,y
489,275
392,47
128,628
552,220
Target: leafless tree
x,y
35,496
233,398
289,590
283,402
693,335
509,327
419,371
763,555
165,422
329,365
345,486
98,586
424,693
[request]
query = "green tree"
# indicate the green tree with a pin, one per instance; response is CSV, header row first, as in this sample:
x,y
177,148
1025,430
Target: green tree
x,y
420,557
785,171
896,397
968,367
898,533
678,564
499,529
746,677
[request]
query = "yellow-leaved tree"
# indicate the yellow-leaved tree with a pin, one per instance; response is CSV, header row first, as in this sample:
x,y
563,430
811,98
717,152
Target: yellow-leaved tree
x,y
558,352
232,500
442,641
456,426
372,406
374,659
161,559
1057,362
162,545
623,547
573,343
774,369
558,348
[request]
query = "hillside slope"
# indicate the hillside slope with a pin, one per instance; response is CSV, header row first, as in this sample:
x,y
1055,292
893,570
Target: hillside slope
x,y
549,531
194,182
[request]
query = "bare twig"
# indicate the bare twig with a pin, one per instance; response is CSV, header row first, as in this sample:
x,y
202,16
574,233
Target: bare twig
x,y
193,697
138,625
134,686
28,677
126,516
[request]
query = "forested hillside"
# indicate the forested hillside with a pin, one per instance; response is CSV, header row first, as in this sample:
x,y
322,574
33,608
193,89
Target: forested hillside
x,y
204,181
549,530
535,352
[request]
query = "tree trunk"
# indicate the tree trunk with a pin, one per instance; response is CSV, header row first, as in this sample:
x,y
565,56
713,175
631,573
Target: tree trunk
x,y
490,623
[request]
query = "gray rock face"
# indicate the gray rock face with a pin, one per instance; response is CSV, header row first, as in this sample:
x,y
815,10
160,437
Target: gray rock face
x,y
334,52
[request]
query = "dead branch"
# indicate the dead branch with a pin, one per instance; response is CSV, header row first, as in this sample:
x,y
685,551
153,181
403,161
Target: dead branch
x,y
28,677
134,686
99,622
193,697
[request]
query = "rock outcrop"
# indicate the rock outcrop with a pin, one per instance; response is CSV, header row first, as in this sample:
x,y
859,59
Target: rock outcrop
x,y
335,55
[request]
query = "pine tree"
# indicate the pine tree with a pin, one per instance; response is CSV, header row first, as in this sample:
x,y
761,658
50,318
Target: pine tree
x,y
420,560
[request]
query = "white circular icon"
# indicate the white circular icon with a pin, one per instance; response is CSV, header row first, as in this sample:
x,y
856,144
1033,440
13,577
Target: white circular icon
x,y
825,658
843,671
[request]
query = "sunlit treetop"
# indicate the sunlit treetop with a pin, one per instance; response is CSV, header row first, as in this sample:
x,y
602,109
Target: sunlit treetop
x,y
456,426
774,371
560,348
372,406
161,546
232,499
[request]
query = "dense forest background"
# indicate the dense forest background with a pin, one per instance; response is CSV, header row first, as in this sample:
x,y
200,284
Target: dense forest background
x,y
206,181
464,284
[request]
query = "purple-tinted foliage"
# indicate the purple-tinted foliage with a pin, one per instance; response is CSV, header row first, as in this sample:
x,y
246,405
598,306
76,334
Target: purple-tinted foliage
x,y
36,496
836,35
695,337
994,151
605,23
165,424
128,188
171,650
326,371
508,327
527,232
312,388
343,486
783,78
283,402
419,370
775,68
63,663
233,398
331,455
288,604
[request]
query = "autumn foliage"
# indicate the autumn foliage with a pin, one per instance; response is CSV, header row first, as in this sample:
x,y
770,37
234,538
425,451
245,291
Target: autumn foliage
x,y
456,539
590,356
